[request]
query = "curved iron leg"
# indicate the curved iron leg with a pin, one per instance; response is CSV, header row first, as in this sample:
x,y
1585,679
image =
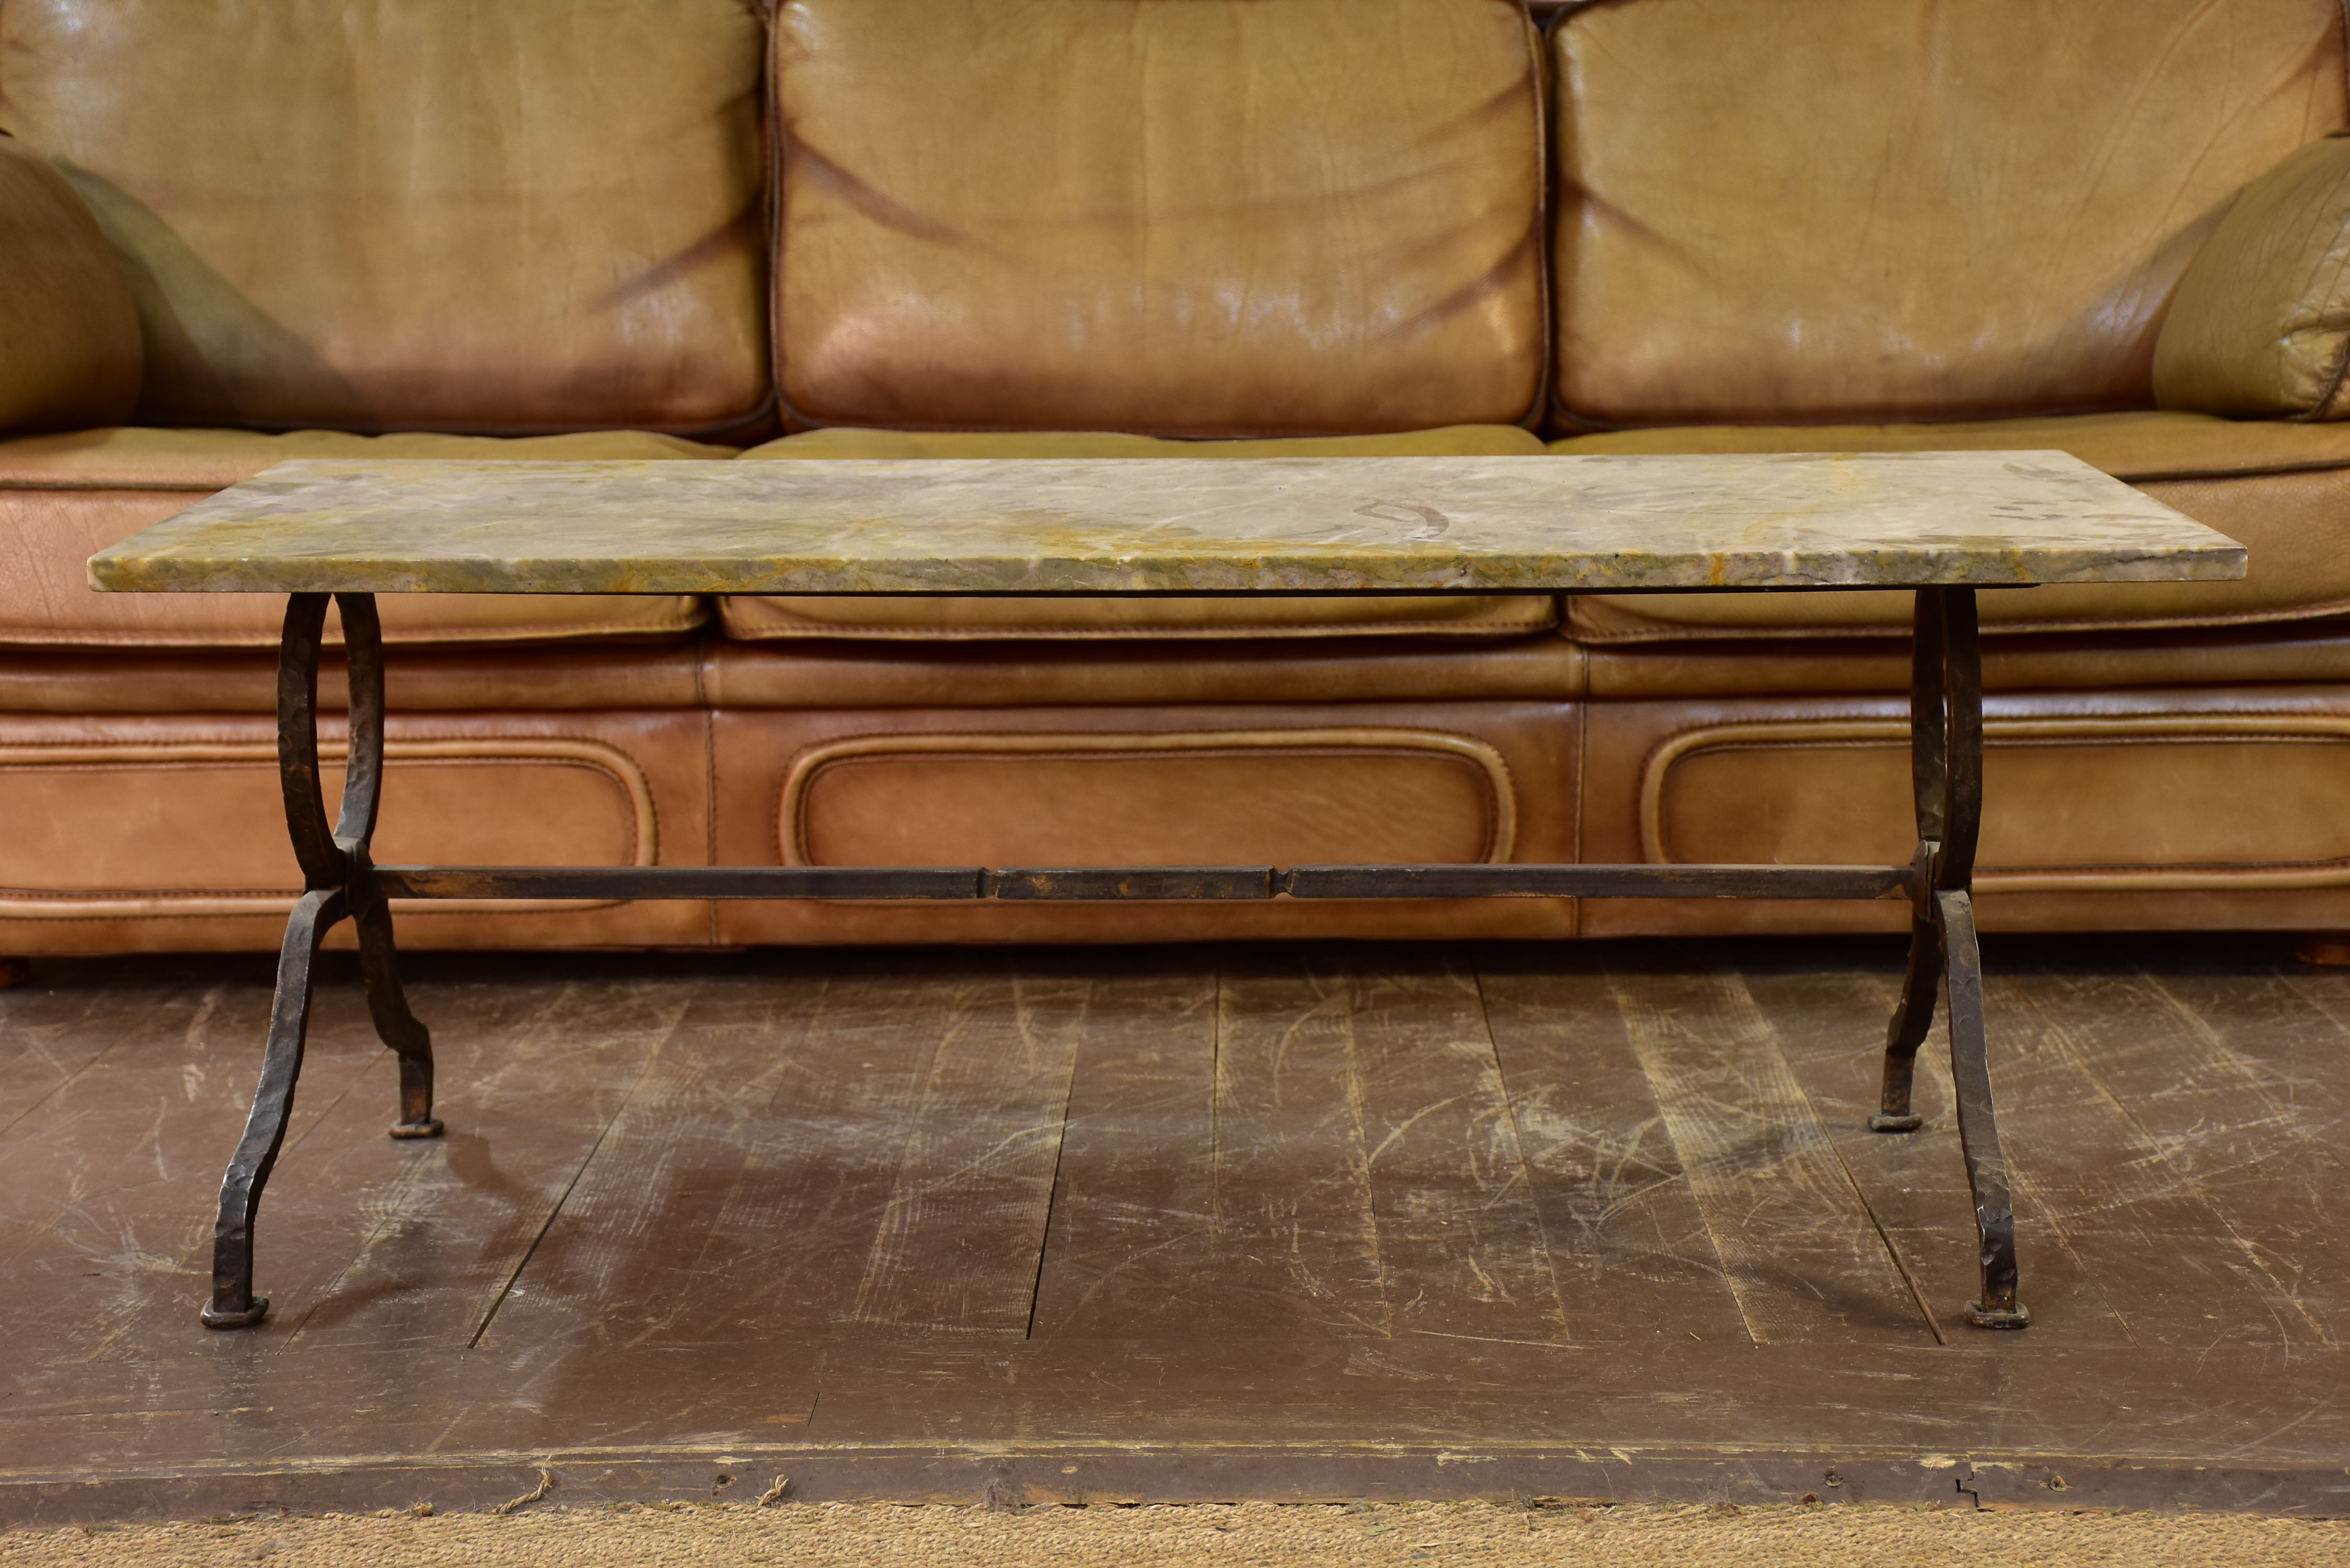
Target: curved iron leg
x,y
362,790
1930,784
233,1304
337,880
1954,914
1978,1128
1911,1019
398,1027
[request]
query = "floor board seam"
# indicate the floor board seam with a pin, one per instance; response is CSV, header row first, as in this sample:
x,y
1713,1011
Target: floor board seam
x,y
1518,1139
1900,1264
1052,1190
570,1187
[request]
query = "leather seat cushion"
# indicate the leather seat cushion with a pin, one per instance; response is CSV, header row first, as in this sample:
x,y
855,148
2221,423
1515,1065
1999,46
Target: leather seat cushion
x,y
1903,208
998,619
62,497
1187,217
2281,489
418,215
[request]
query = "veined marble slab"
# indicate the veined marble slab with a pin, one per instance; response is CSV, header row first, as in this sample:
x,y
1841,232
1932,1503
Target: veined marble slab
x,y
1170,525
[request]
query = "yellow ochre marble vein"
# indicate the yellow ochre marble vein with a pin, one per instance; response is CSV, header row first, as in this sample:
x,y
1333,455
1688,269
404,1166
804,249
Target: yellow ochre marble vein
x,y
1128,526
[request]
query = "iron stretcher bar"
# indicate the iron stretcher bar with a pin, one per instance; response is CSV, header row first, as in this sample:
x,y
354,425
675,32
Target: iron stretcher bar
x,y
1155,882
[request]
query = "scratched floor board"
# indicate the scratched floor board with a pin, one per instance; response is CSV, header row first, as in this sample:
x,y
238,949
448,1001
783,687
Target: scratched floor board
x,y
2271,1058
1256,1219
365,1239
2233,1141
1832,1027
56,1032
808,1129
955,1247
1367,1177
2178,1273
1133,1244
1802,1255
114,1180
448,1221
1630,1248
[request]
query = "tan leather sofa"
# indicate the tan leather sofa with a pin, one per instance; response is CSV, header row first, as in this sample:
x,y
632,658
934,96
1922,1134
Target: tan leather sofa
x,y
1203,228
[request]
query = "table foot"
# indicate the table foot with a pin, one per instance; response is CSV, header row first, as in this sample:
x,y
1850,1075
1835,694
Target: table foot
x,y
244,1318
1912,1017
233,1304
2015,1317
394,1023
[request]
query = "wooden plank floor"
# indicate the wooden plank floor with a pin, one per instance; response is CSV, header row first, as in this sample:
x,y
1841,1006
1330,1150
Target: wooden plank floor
x,y
1595,1221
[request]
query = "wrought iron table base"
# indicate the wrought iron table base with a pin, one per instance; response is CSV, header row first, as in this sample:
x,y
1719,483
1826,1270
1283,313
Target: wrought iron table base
x,y
341,882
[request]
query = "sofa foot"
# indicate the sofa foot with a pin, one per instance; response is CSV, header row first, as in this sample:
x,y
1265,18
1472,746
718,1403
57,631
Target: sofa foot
x,y
15,971
2327,950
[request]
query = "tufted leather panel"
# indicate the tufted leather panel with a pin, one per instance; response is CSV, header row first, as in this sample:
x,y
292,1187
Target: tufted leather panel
x,y
1891,209
166,832
1185,217
1143,785
418,215
2115,810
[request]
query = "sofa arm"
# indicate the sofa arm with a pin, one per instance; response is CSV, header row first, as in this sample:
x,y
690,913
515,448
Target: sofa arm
x,y
69,347
2260,327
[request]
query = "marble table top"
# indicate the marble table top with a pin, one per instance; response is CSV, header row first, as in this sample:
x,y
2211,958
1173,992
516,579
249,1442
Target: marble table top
x,y
1170,525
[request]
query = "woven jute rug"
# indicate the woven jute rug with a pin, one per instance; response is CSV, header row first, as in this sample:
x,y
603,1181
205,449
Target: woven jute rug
x,y
1484,1534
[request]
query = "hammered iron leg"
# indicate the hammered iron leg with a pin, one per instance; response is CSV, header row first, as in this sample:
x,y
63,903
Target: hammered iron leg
x,y
362,791
1946,771
1978,1126
338,880
233,1304
1913,1016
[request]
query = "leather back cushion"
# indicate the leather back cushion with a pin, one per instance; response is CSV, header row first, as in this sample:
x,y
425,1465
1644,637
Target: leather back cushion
x,y
442,214
1885,209
1176,217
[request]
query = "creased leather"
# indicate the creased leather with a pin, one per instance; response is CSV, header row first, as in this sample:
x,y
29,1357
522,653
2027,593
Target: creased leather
x,y
1182,217
64,497
69,332
1084,618
1891,209
2261,324
2282,490
405,214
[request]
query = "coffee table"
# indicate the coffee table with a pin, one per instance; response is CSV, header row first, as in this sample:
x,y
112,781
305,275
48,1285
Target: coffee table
x,y
1943,525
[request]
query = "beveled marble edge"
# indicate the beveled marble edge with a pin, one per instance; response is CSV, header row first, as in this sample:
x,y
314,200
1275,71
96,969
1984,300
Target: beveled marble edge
x,y
1551,523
